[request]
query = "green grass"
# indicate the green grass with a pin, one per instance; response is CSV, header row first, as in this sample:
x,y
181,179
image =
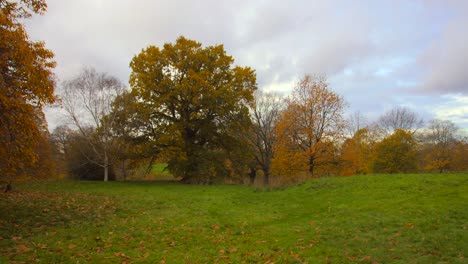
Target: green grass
x,y
160,168
158,172
362,219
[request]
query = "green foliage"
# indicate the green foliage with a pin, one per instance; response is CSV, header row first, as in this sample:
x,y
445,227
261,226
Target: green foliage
x,y
381,219
396,153
187,102
160,168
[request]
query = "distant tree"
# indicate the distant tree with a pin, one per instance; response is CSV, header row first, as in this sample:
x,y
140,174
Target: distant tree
x,y
328,161
60,139
400,118
459,153
88,99
26,85
396,153
264,113
191,101
355,122
440,141
356,153
313,113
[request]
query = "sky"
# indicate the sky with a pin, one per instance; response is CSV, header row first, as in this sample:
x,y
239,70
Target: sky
x,y
377,54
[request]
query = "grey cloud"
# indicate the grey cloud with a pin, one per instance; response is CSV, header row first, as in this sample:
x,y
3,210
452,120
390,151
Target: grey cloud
x,y
445,62
107,34
281,40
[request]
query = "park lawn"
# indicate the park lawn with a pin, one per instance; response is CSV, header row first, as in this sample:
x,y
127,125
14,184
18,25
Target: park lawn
x,y
159,172
160,168
360,219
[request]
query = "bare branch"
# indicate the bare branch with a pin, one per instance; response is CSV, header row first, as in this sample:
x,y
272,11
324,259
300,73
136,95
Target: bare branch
x,y
87,99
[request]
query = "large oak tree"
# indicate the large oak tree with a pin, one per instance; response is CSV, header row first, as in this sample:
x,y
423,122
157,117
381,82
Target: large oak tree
x,y
192,101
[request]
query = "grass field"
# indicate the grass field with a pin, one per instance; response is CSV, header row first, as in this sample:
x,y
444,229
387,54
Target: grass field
x,y
362,219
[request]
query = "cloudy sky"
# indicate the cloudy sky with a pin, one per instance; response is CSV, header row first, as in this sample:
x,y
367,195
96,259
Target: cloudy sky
x,y
377,54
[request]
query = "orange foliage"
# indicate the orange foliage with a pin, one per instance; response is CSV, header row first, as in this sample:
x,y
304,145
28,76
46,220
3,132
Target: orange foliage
x,y
313,116
26,84
460,156
440,143
356,154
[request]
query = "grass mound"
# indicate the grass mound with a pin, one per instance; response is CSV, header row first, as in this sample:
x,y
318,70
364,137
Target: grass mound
x,y
368,219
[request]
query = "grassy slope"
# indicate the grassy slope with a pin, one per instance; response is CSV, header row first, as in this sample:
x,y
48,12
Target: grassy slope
x,y
384,219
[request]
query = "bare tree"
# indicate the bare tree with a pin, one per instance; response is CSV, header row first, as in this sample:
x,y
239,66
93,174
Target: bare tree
x,y
265,112
356,121
60,137
87,99
440,140
400,118
442,132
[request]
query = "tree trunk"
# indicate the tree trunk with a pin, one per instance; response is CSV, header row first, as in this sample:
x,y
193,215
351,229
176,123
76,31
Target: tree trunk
x,y
252,175
106,167
266,176
8,187
311,165
124,170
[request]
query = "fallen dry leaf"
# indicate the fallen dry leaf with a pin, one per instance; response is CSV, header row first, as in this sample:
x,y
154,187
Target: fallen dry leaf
x,y
21,248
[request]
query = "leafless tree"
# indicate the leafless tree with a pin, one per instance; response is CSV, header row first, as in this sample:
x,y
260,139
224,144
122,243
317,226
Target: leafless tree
x,y
440,140
441,132
356,121
400,118
87,99
265,112
60,137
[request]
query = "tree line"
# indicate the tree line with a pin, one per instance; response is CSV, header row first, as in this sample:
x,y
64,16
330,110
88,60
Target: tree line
x,y
190,107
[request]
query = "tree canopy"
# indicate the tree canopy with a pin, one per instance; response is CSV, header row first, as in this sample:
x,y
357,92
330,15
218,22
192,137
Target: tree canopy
x,y
26,85
314,114
191,107
396,153
193,99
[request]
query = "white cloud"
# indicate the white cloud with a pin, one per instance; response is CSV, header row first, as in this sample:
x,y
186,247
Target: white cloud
x,y
454,109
